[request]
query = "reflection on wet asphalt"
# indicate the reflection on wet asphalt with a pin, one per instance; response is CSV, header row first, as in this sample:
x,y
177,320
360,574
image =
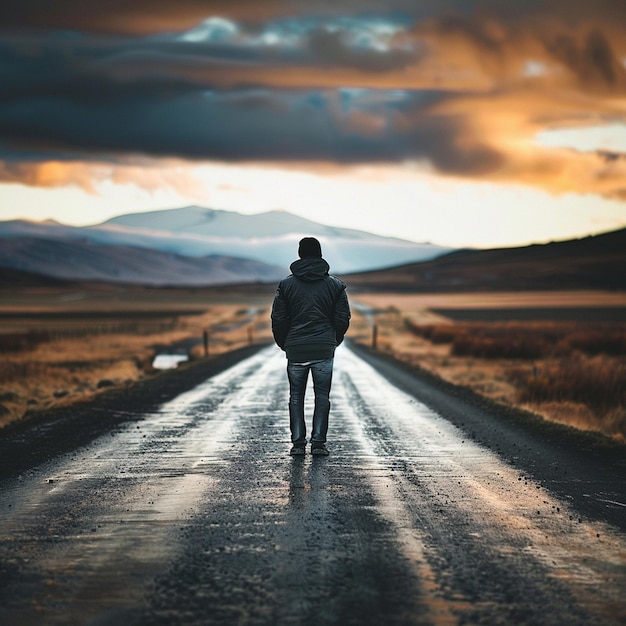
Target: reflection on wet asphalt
x,y
197,515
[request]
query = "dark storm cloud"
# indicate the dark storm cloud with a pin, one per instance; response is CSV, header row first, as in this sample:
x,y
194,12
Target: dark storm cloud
x,y
166,96
154,16
593,60
589,55
347,82
248,124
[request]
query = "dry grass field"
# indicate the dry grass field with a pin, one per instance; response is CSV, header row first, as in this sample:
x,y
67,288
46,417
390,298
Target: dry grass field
x,y
58,347
567,365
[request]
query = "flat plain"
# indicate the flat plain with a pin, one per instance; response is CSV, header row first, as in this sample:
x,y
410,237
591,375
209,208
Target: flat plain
x,y
63,344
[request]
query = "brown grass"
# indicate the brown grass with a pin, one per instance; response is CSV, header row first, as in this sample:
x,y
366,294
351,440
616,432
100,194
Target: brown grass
x,y
569,372
599,382
18,342
592,389
529,340
54,356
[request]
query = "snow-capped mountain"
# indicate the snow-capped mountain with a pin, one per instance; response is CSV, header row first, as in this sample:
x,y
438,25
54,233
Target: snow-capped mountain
x,y
269,239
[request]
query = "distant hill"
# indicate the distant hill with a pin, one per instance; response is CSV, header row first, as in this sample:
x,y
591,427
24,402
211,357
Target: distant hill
x,y
85,261
269,238
595,262
10,277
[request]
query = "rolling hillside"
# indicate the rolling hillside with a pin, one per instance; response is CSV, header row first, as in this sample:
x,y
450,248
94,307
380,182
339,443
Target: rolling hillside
x,y
597,262
77,260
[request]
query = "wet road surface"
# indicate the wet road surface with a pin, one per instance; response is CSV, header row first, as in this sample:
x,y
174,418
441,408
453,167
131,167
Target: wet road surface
x,y
195,514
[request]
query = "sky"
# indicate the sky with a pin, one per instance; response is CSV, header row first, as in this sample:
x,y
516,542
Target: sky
x,y
462,123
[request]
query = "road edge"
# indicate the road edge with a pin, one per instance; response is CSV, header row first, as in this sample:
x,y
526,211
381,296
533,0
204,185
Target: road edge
x,y
577,466
45,434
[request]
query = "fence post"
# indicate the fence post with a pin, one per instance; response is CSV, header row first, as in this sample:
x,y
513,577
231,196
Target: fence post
x,y
374,337
205,339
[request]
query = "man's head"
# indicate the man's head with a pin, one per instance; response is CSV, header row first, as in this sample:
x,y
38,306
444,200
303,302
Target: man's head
x,y
309,248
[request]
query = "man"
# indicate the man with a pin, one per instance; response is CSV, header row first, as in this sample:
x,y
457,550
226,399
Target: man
x,y
310,316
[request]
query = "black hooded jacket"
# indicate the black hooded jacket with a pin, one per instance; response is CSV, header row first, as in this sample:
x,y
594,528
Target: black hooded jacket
x,y
310,313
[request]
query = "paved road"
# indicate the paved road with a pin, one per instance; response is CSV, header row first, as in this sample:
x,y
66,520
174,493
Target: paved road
x,y
195,514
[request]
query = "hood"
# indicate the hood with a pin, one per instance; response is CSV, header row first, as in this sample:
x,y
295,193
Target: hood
x,y
310,269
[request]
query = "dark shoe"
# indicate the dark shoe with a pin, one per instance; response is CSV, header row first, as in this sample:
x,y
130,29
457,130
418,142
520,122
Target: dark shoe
x,y
297,451
319,449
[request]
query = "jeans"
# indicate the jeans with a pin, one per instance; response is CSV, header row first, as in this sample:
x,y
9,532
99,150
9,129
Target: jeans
x,y
298,373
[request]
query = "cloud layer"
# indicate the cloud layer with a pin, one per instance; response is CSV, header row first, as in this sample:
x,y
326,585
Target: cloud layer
x,y
88,87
